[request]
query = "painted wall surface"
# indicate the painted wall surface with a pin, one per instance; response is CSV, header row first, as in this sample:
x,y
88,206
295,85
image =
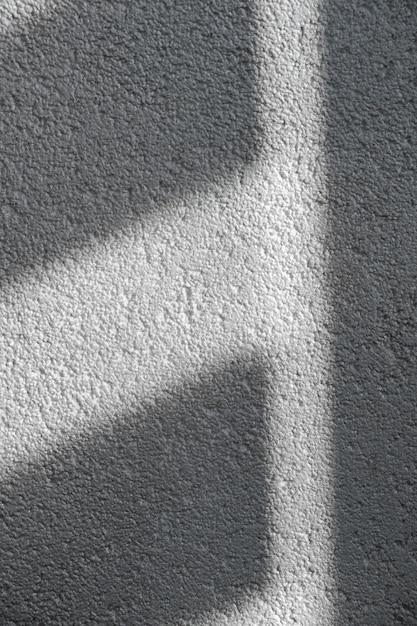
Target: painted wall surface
x,y
207,312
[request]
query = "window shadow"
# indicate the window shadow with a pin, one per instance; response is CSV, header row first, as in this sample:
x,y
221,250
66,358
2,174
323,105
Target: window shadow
x,y
109,110
371,61
157,517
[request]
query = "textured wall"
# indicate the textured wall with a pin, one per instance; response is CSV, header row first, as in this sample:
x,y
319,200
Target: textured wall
x,y
165,444
206,312
371,108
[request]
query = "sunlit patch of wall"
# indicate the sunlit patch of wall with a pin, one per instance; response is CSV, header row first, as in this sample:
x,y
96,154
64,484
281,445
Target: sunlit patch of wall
x,y
19,15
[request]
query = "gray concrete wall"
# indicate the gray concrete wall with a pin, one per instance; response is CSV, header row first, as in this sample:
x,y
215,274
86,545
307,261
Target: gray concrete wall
x,y
207,312
371,109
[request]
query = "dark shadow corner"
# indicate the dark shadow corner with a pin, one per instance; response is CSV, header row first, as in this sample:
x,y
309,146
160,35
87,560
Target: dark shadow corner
x,y
157,517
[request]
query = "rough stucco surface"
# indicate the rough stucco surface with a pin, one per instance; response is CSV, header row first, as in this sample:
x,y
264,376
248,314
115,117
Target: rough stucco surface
x,y
371,122
197,389
165,433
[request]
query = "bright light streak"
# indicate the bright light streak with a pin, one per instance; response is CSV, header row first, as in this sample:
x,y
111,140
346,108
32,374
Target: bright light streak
x,y
17,14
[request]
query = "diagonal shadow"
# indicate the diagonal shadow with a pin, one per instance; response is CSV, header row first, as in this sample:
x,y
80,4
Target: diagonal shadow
x,y
159,516
372,154
109,110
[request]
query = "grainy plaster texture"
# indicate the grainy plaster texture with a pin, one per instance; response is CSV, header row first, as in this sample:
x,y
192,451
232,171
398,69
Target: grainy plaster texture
x,y
208,312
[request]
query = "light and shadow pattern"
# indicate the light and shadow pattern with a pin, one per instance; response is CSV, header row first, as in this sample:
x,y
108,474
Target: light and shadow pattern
x,y
155,518
110,110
